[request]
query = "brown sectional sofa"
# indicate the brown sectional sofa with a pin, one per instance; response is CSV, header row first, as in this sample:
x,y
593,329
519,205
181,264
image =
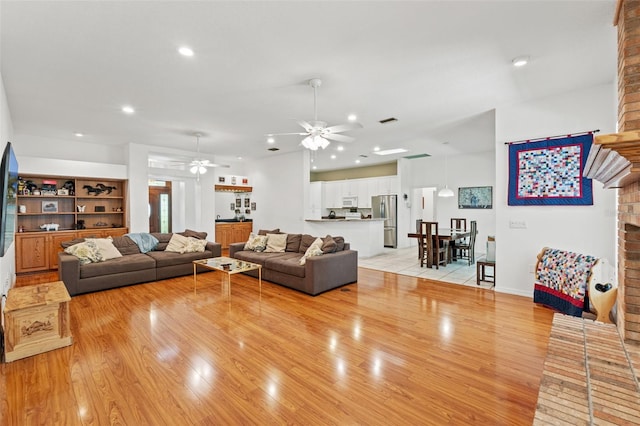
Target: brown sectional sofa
x,y
317,275
133,267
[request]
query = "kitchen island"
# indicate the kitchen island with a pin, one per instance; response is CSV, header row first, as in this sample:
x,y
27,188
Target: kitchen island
x,y
365,235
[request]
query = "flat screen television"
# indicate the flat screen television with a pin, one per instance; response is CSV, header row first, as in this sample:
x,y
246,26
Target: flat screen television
x,y
9,188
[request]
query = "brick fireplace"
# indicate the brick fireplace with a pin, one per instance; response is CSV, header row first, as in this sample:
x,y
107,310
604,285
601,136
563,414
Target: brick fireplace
x,y
615,161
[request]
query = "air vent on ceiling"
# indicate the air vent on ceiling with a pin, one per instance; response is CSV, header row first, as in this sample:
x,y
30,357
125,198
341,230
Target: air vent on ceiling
x,y
364,156
413,157
388,120
274,149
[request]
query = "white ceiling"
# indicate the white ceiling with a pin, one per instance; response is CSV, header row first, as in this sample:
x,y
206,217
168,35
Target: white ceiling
x,y
439,67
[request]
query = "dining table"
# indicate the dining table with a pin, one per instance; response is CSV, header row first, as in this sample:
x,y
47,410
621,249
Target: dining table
x,y
447,234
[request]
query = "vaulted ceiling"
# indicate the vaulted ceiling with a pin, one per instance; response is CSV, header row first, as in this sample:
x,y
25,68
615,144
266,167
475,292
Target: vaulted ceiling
x,y
439,67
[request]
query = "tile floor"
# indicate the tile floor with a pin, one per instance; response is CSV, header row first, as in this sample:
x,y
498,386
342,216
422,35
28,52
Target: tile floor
x,y
405,262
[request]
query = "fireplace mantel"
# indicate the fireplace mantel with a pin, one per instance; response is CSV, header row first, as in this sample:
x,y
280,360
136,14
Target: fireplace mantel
x,y
614,159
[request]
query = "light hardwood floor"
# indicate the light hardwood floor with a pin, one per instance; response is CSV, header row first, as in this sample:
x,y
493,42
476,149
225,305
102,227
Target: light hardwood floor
x,y
389,350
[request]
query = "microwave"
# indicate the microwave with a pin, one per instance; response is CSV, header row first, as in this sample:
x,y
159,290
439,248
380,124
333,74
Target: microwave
x,y
348,202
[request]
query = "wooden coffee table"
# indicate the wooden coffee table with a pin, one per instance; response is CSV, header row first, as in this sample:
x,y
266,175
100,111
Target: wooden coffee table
x,y
229,266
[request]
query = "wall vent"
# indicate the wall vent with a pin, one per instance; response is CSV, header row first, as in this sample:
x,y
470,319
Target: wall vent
x,y
388,120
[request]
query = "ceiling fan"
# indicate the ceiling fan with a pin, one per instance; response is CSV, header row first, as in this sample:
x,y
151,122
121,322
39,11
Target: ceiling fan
x,y
317,133
199,166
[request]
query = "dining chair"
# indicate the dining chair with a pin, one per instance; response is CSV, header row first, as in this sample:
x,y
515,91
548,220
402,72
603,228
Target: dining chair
x,y
434,249
459,223
467,250
418,225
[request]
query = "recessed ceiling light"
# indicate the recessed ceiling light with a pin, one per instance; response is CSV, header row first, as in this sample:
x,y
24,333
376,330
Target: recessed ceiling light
x,y
185,51
520,61
78,134
376,148
239,158
352,117
357,161
341,148
333,156
270,140
390,151
314,167
128,109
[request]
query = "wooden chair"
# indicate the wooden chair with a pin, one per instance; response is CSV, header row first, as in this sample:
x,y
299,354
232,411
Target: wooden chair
x,y
467,250
459,223
434,250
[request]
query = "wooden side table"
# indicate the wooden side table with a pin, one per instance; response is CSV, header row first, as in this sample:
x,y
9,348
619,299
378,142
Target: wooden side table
x,y
36,320
481,272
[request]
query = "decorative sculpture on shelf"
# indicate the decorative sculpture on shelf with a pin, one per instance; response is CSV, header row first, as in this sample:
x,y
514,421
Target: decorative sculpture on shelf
x,y
99,189
50,226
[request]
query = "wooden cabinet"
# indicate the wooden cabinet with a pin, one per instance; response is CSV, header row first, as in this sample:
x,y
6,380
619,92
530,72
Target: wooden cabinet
x,y
32,252
234,232
38,251
96,206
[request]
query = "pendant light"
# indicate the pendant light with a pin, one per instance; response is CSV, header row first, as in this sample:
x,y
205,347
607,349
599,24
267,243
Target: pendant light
x,y
445,192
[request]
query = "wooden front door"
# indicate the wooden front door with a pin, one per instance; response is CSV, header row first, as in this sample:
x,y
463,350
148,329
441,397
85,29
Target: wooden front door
x,y
160,208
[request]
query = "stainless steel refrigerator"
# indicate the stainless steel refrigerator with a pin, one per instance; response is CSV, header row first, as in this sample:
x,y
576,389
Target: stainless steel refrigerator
x,y
386,207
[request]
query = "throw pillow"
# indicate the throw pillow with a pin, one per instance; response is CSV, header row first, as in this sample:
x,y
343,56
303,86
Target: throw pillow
x,y
329,245
66,244
177,243
256,243
276,243
86,252
265,232
293,242
194,245
105,247
194,234
340,243
314,249
306,242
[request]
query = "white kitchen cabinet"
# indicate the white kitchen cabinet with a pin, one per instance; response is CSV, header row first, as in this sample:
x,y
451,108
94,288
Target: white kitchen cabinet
x,y
365,188
387,185
333,194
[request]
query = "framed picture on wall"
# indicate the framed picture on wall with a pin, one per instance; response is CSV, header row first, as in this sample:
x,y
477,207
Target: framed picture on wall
x,y
475,197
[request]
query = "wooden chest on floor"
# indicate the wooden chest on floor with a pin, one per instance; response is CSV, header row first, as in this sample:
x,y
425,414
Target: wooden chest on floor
x,y
36,320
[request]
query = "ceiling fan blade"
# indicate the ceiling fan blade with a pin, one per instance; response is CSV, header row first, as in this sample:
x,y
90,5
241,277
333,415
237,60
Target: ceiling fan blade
x,y
286,134
343,127
338,138
308,127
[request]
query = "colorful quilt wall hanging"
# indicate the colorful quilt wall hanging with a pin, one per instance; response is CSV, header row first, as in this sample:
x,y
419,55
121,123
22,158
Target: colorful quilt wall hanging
x,y
549,172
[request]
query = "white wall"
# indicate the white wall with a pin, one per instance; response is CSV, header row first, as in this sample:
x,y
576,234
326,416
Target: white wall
x,y
8,261
583,229
464,170
280,188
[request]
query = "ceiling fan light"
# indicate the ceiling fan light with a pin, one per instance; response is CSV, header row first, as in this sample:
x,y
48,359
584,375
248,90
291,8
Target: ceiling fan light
x,y
194,169
321,142
202,170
